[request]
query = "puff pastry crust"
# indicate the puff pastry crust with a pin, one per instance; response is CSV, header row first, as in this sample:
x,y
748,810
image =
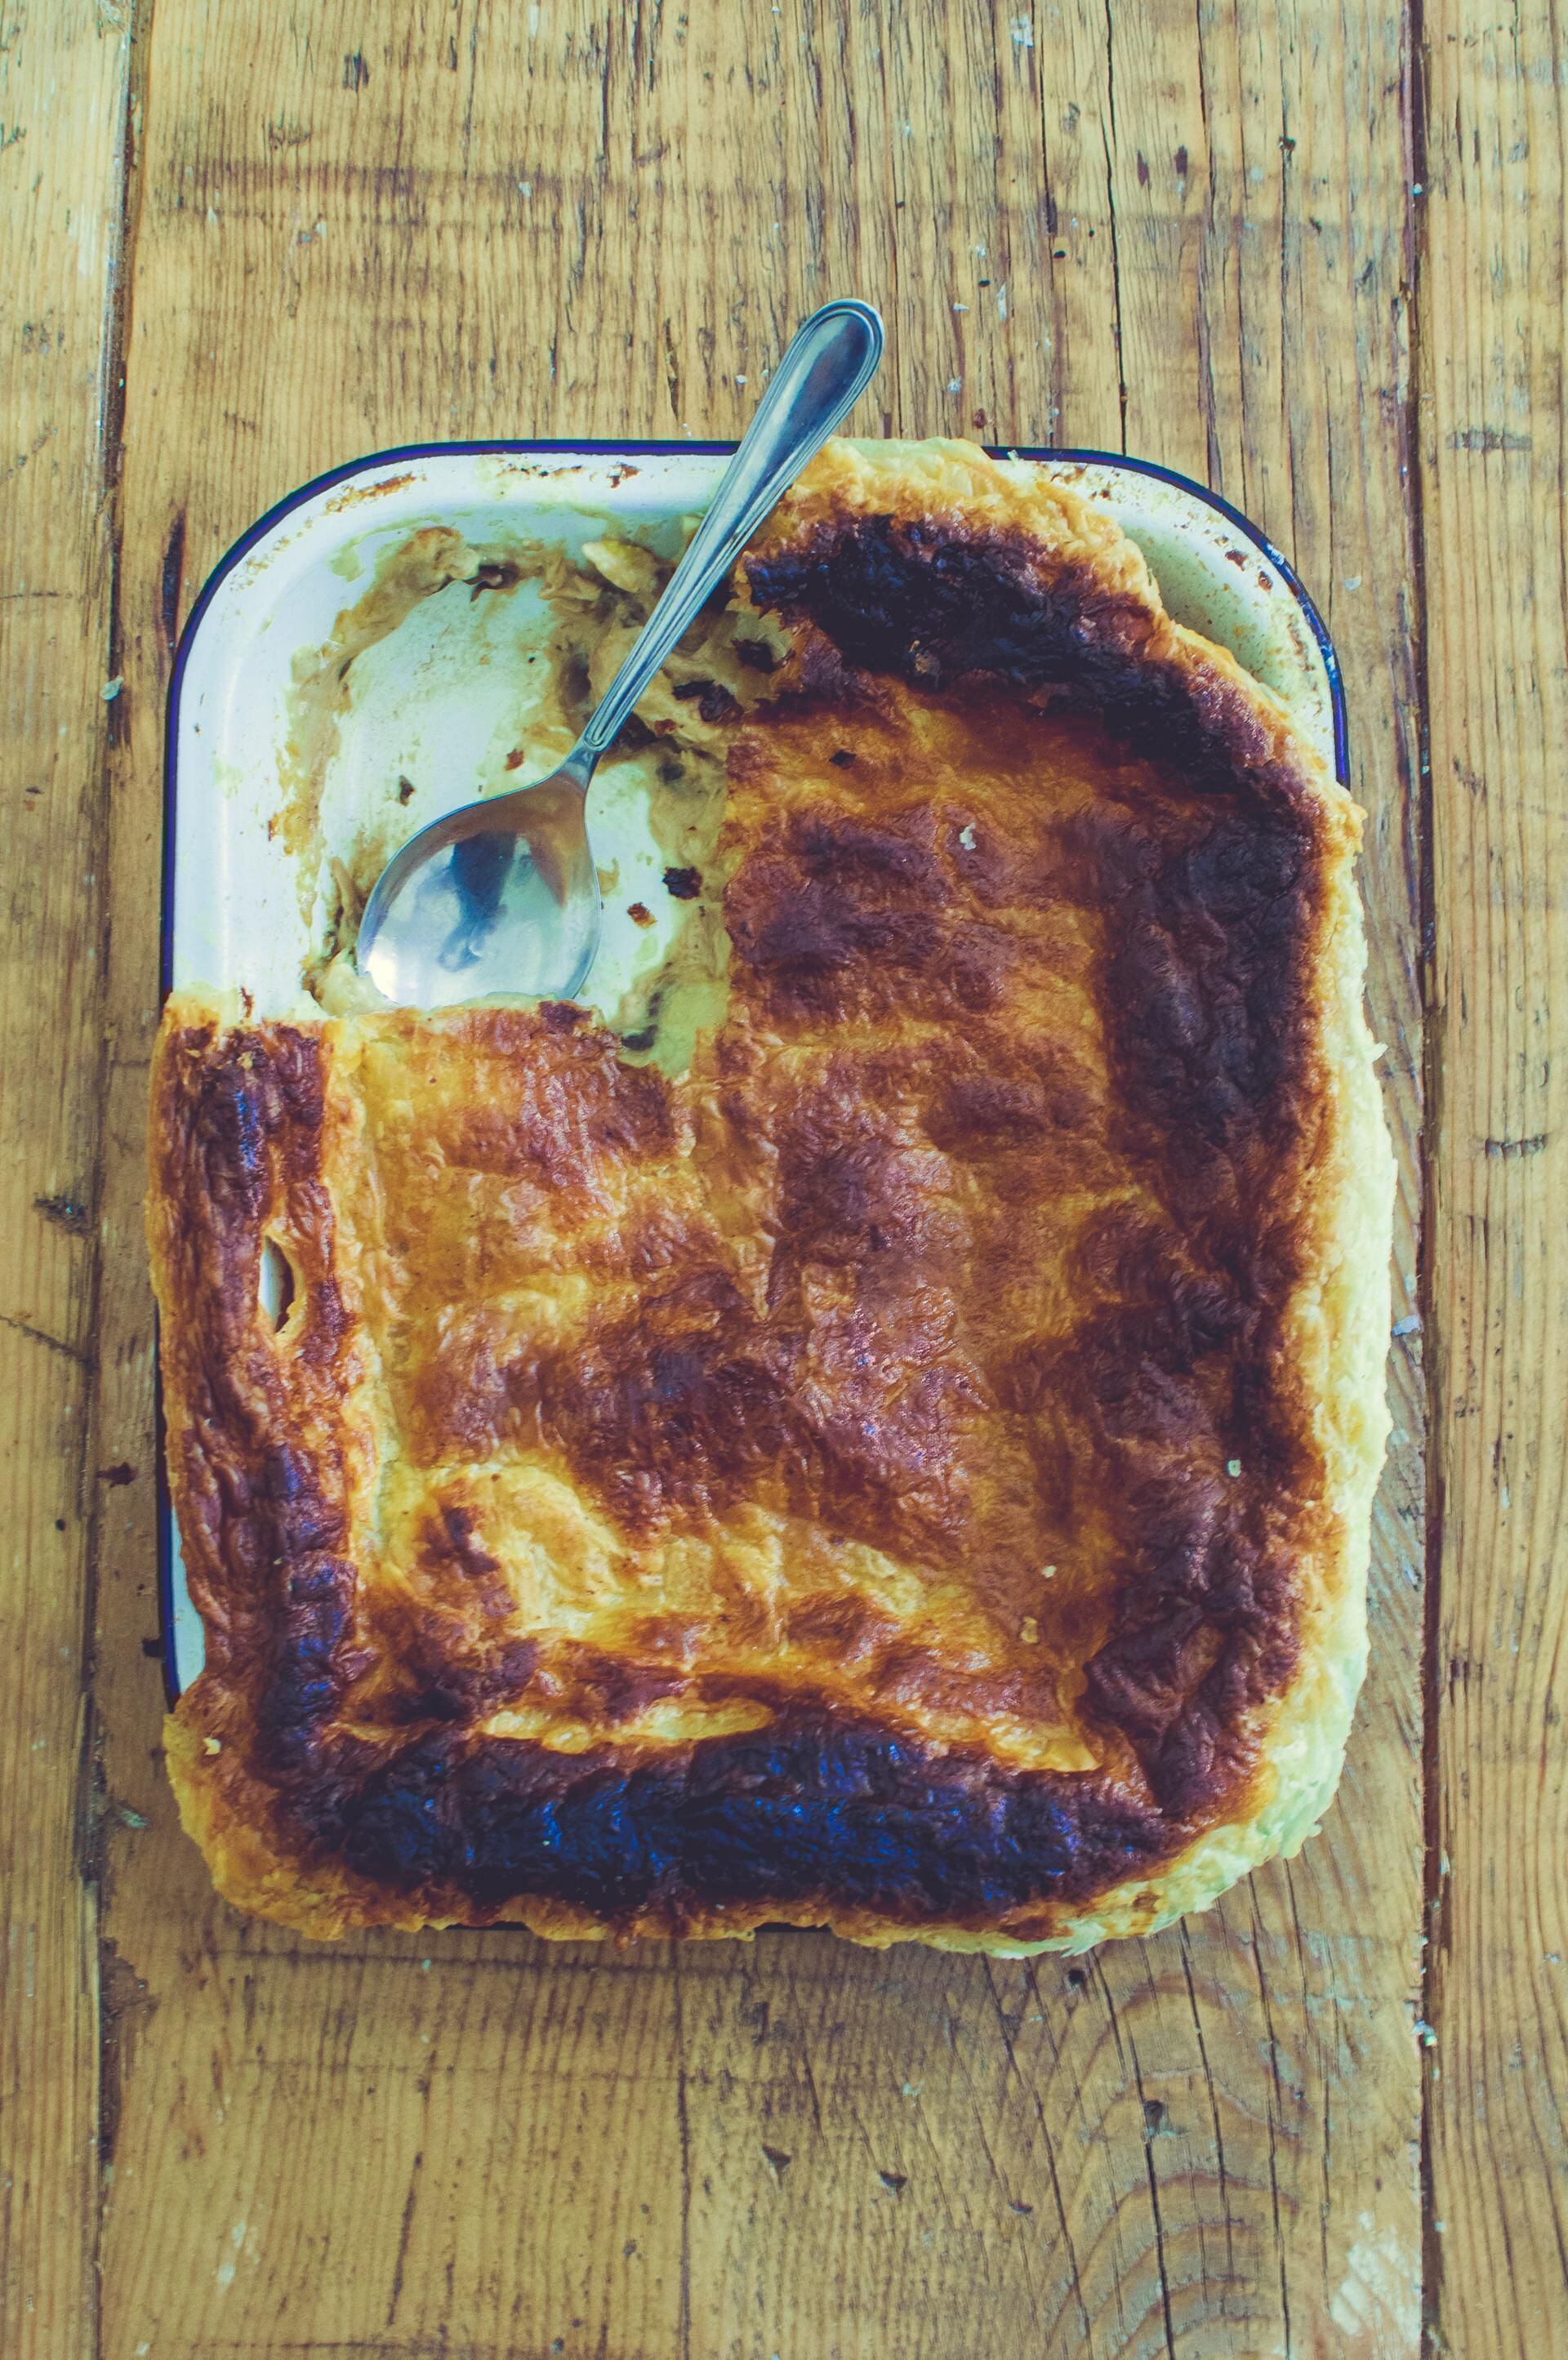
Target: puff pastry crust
x,y
909,1473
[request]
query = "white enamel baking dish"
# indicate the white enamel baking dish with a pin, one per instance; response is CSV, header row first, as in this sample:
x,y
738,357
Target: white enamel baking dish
x,y
438,702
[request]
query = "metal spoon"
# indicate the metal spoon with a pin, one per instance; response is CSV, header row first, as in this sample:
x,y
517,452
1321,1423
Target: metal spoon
x,y
502,895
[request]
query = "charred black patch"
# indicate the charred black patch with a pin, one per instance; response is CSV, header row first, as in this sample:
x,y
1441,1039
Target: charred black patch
x,y
940,607
713,700
813,1809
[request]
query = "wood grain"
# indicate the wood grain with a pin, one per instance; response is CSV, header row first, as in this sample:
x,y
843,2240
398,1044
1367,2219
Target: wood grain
x,y
349,225
62,77
1492,453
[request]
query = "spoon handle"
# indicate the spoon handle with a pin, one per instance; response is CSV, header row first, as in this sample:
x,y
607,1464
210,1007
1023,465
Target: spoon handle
x,y
831,360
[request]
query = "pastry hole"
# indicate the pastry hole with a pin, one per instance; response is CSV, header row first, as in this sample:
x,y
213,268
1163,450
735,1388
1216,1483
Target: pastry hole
x,y
277,1285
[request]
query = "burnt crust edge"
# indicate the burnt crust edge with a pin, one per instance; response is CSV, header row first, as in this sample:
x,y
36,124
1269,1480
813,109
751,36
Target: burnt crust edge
x,y
834,1813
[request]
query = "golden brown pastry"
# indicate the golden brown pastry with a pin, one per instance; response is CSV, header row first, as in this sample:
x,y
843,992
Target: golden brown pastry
x,y
909,1472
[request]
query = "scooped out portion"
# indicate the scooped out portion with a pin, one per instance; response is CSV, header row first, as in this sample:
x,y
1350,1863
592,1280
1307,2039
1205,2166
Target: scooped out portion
x,y
548,632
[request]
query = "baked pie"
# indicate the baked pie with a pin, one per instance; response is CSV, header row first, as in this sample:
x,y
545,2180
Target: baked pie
x,y
902,1464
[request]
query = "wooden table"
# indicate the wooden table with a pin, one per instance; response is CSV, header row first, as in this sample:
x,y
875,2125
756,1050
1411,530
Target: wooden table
x,y
1314,256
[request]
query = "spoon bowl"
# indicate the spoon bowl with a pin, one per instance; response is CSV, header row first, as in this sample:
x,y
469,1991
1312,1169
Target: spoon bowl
x,y
502,895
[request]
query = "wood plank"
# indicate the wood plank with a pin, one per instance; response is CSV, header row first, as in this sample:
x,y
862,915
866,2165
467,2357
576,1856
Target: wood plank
x,y
1262,218
360,225
1492,453
62,88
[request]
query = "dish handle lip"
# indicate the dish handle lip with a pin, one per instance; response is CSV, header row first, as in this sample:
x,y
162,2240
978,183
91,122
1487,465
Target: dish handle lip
x,y
402,453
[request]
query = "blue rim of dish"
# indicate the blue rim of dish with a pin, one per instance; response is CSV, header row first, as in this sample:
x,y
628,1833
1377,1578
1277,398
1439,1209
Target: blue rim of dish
x,y
406,451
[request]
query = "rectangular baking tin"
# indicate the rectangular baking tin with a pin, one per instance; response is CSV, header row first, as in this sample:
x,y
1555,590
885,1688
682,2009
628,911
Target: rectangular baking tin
x,y
231,909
